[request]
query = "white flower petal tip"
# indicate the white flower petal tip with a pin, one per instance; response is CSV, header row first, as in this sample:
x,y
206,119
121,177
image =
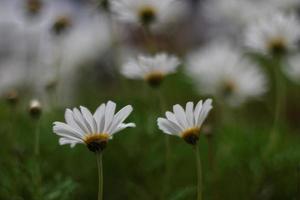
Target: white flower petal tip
x,y
186,123
94,130
152,69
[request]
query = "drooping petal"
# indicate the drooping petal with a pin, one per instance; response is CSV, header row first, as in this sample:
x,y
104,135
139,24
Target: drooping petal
x,y
168,126
120,117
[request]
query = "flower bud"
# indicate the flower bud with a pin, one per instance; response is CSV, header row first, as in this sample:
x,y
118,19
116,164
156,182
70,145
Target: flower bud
x,y
35,108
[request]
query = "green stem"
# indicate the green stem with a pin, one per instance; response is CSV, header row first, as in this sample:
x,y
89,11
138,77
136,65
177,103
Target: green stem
x,y
279,89
199,173
100,175
37,138
37,163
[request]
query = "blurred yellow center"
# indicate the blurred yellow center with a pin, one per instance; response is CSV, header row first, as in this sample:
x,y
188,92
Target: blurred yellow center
x,y
147,15
154,78
228,88
61,24
34,6
91,138
191,135
277,45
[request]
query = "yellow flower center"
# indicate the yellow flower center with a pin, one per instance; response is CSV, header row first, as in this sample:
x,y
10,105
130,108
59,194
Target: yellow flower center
x,y
277,46
96,142
33,6
147,15
191,135
154,78
61,24
228,88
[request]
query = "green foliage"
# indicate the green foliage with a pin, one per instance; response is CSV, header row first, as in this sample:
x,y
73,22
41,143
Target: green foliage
x,y
134,161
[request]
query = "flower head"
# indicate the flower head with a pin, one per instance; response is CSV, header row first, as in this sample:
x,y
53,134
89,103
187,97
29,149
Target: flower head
x,y
186,123
35,108
273,34
152,69
220,70
93,130
144,12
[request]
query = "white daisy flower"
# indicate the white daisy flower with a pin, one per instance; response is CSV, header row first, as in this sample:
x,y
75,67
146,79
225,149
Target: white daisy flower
x,y
292,69
186,123
145,12
273,34
220,70
93,130
152,69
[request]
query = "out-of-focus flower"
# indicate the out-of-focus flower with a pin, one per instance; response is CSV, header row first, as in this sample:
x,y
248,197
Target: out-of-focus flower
x,y
286,5
152,69
93,130
292,69
146,12
35,108
186,123
220,70
273,34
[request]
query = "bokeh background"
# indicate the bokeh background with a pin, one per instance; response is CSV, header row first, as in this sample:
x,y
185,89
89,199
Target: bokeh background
x,y
69,53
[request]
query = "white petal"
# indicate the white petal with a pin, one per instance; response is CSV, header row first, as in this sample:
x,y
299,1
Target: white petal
x,y
197,110
62,128
70,121
109,115
204,111
100,118
171,117
123,126
189,112
167,126
180,116
89,119
80,121
120,117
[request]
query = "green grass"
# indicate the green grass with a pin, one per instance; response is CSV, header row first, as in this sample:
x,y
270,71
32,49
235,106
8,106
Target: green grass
x,y
134,161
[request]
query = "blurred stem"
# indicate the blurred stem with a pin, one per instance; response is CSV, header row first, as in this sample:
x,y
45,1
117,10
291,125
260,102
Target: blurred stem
x,y
37,138
167,146
100,175
37,160
149,41
278,106
199,172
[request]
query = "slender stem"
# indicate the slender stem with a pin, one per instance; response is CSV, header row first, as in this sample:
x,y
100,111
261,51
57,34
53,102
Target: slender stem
x,y
199,173
279,90
100,175
37,160
37,138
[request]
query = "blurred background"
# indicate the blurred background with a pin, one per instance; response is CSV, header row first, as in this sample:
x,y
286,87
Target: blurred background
x,y
67,53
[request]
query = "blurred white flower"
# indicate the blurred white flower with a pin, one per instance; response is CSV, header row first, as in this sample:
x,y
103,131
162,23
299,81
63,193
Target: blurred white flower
x,y
93,130
89,39
147,12
35,108
152,69
273,34
292,68
186,123
220,70
286,5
